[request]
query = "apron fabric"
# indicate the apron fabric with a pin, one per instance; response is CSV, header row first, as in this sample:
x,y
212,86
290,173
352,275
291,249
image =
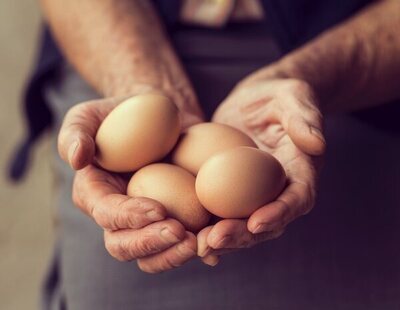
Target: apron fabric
x,y
343,255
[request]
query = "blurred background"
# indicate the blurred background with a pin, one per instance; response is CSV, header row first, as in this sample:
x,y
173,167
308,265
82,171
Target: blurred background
x,y
26,231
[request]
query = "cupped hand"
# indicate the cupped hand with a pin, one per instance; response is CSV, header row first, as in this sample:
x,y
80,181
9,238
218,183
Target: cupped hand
x,y
134,228
283,118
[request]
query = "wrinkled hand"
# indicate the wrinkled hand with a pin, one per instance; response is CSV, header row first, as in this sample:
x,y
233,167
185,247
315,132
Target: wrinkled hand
x,y
283,118
134,228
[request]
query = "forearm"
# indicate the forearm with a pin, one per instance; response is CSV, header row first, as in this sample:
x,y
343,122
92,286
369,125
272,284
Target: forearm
x,y
118,47
354,65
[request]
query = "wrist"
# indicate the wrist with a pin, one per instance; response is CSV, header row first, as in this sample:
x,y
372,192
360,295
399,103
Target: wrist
x,y
182,94
155,69
337,72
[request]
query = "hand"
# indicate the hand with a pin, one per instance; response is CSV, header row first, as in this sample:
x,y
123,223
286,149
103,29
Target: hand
x,y
134,228
283,118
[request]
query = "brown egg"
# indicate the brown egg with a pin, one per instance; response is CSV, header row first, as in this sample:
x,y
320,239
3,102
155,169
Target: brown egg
x,y
139,131
236,182
174,188
204,140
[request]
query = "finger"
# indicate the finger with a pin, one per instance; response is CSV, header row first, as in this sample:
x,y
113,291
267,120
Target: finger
x,y
306,133
76,143
294,106
171,258
129,244
296,200
222,234
304,126
232,234
210,260
256,239
202,246
218,253
302,119
99,194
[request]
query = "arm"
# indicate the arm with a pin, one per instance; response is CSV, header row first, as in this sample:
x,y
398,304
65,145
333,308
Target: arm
x,y
353,65
120,48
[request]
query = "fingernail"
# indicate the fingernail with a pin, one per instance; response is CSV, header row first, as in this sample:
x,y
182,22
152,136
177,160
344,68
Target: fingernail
x,y
211,260
153,215
260,228
185,250
169,236
204,251
72,150
223,242
317,132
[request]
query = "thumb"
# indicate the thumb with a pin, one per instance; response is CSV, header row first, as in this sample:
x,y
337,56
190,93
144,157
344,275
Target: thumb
x,y
306,133
76,144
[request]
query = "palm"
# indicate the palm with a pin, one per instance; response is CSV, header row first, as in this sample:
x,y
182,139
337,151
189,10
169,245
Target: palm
x,y
271,137
282,118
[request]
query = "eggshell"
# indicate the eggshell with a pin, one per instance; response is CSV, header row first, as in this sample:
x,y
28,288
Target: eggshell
x,y
236,182
204,140
174,188
139,131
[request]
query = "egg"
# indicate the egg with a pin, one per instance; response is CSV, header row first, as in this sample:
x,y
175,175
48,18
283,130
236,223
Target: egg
x,y
139,131
174,188
236,182
203,140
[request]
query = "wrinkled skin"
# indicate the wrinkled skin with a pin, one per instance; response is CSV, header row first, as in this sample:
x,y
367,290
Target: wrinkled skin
x,y
134,228
282,116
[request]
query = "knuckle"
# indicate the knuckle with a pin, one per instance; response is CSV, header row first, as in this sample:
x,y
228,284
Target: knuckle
x,y
136,204
114,212
132,219
133,210
145,246
126,214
